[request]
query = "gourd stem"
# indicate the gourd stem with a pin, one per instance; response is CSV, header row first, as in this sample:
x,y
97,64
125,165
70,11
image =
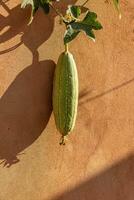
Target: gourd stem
x,y
66,47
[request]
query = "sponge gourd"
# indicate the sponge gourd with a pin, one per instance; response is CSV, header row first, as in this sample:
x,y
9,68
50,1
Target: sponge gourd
x,y
65,94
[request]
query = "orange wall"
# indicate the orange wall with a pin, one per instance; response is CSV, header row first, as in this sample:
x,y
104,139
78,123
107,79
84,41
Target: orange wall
x,y
97,161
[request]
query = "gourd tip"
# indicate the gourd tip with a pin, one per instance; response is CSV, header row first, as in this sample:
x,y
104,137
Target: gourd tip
x,y
62,142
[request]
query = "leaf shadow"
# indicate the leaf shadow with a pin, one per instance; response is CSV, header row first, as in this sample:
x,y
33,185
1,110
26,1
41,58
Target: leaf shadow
x,y
33,35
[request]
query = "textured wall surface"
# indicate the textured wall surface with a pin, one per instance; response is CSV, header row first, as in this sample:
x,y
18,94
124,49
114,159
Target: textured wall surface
x,y
97,162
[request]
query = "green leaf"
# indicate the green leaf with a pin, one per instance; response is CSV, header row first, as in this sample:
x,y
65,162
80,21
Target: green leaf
x,y
80,26
34,4
91,35
27,2
75,11
90,19
117,6
90,16
45,7
87,25
97,25
45,1
70,34
116,3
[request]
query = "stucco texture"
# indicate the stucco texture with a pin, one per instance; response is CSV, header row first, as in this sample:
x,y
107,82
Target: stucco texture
x,y
97,161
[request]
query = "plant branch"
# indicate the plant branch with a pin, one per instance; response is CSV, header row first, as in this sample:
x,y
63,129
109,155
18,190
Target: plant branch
x,y
84,3
58,13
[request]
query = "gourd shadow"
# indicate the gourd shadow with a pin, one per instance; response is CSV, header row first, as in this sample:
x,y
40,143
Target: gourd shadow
x,y
25,107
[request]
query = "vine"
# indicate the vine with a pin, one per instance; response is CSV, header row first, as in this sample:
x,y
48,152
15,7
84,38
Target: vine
x,y
73,24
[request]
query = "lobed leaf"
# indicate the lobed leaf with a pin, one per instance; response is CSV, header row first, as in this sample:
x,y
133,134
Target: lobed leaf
x,y
75,11
90,20
79,26
87,25
70,34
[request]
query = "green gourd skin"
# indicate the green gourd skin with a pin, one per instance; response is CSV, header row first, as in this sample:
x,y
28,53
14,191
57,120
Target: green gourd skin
x,y
65,94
